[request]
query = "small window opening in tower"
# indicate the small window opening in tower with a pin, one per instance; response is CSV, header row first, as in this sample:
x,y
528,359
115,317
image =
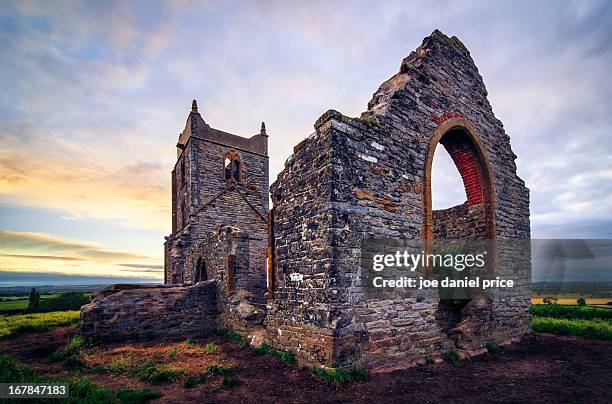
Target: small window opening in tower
x,y
228,168
231,166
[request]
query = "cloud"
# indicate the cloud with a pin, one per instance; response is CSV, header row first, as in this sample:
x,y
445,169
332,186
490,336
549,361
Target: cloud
x,y
12,244
142,268
42,257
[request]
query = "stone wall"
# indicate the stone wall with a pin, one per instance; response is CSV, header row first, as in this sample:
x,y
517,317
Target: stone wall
x,y
370,177
232,296
144,313
241,286
461,221
301,317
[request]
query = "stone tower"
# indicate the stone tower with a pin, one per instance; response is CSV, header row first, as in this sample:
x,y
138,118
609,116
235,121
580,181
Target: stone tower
x,y
219,181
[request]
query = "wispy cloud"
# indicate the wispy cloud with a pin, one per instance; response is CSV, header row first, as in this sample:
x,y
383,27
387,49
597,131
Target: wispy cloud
x,y
142,268
42,257
16,242
24,251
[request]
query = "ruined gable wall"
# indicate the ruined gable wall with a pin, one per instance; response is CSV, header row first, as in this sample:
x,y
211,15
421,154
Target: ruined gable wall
x,y
378,168
438,86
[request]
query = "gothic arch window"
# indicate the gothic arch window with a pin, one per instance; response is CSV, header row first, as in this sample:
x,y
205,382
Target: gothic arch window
x,y
200,271
232,166
468,155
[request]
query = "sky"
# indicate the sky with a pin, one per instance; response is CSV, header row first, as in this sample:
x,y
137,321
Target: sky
x,y
94,94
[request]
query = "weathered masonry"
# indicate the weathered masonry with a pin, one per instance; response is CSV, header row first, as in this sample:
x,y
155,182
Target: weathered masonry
x,y
353,178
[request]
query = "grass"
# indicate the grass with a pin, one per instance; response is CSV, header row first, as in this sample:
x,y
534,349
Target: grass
x,y
70,355
234,336
190,382
36,322
145,369
12,371
48,303
569,312
137,396
212,348
338,377
225,372
230,381
82,389
20,302
492,346
594,328
120,364
451,356
370,120
172,353
574,300
284,356
153,373
580,321
192,341
218,370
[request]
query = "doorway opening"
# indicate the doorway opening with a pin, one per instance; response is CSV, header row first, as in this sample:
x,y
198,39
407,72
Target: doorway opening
x,y
464,207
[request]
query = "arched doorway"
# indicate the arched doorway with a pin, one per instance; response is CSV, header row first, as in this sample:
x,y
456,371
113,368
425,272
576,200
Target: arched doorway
x,y
200,274
471,220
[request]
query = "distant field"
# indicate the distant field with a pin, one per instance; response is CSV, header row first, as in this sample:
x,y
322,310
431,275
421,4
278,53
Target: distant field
x,y
14,304
595,301
21,302
39,322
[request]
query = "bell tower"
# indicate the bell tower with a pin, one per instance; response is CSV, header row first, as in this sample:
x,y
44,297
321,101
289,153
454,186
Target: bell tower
x,y
219,179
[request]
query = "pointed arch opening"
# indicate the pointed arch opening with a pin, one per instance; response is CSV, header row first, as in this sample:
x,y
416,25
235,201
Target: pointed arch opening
x,y
473,219
200,274
232,166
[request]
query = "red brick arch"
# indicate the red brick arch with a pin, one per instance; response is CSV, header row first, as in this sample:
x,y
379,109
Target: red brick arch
x,y
459,147
467,152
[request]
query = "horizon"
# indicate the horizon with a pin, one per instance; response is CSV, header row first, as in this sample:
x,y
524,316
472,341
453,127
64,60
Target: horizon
x,y
90,114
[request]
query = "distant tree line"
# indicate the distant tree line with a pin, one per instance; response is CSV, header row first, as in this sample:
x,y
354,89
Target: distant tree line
x,y
62,302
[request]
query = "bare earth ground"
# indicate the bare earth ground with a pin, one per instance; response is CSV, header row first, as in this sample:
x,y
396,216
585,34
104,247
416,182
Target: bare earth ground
x,y
542,368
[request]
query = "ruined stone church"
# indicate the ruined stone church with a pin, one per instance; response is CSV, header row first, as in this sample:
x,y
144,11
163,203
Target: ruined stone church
x,y
290,275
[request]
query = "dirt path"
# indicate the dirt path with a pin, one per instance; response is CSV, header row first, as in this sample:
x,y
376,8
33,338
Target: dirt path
x,y
542,368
